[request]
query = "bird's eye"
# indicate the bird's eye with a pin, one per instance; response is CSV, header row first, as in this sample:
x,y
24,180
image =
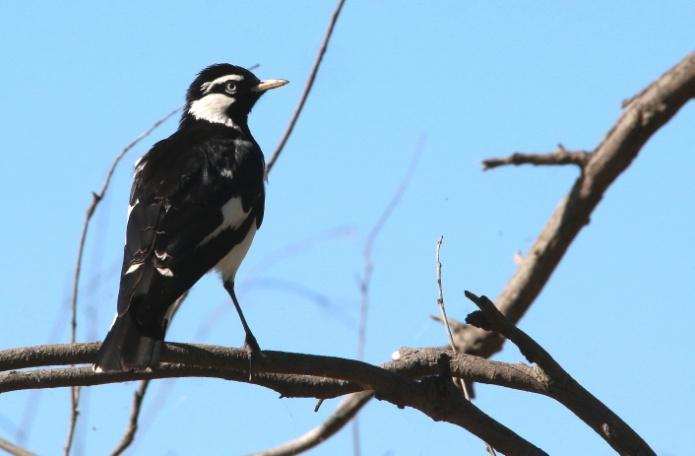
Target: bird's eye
x,y
230,87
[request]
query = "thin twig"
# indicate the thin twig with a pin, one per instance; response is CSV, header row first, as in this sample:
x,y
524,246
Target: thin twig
x,y
356,440
307,87
561,156
13,449
96,199
132,428
297,247
442,308
458,381
365,281
440,297
371,238
342,415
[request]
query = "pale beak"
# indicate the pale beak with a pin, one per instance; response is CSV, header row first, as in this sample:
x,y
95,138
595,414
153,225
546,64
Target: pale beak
x,y
269,84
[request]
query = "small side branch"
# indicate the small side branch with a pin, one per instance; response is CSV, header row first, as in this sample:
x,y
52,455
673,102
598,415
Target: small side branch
x,y
561,156
460,382
440,296
651,109
561,386
13,449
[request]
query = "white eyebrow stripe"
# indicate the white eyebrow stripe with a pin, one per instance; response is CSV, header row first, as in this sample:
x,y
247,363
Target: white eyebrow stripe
x,y
205,87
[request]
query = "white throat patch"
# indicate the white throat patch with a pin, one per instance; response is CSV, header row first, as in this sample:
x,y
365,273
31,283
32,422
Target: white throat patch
x,y
213,108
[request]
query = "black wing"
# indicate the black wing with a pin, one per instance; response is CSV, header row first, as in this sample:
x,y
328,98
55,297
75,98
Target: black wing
x,y
177,230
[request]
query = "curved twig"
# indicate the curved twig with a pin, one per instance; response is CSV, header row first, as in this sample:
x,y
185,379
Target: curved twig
x,y
13,449
307,87
338,419
132,428
96,199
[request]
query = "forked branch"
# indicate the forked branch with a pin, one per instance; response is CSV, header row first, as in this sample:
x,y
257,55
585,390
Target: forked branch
x,y
644,115
561,386
417,378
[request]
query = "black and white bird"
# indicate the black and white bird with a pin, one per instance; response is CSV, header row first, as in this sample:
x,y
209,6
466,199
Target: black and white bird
x,y
196,202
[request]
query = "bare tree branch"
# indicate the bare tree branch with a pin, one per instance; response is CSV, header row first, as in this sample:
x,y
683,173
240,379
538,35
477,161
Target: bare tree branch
x,y
652,108
13,449
292,375
644,115
416,378
341,416
96,199
561,156
307,87
648,111
139,396
561,386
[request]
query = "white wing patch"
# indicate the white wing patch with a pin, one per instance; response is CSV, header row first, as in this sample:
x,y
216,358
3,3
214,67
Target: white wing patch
x,y
130,208
213,108
161,255
133,267
233,215
166,272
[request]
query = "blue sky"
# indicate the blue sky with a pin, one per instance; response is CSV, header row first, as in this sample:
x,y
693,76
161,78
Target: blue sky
x,y
471,80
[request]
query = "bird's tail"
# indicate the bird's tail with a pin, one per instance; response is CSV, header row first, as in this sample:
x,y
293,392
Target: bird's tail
x,y
126,348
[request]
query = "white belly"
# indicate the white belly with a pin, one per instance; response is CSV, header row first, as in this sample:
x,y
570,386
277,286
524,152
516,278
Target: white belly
x,y
231,261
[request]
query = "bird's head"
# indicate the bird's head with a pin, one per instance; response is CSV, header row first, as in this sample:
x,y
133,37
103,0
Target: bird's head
x,y
225,94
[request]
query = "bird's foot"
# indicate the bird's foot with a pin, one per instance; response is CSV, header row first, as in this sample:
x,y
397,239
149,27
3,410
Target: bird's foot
x,y
252,348
251,345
